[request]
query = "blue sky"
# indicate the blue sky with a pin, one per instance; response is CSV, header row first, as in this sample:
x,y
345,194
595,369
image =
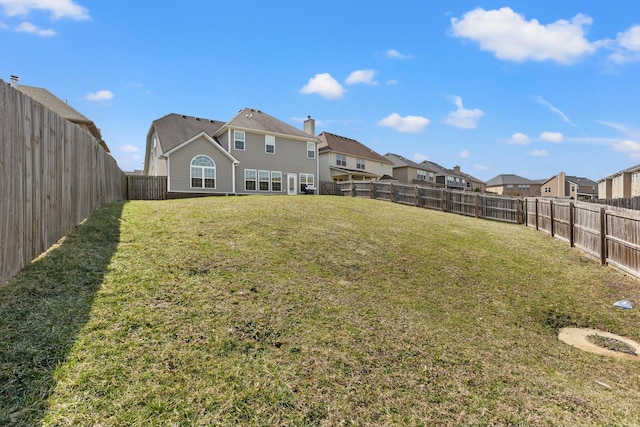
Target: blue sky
x,y
530,88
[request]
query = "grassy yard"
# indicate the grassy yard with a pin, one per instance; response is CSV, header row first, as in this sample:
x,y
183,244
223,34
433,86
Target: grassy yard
x,y
305,311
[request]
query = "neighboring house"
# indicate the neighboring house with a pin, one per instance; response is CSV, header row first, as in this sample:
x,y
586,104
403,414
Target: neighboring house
x,y
345,159
406,171
447,178
572,187
514,185
58,106
253,153
622,184
473,183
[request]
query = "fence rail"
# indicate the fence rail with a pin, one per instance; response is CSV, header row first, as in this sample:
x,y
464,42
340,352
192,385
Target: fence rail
x,y
478,205
53,174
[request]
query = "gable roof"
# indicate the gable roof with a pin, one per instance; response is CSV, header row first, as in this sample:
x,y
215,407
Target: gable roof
x,y
509,179
402,162
174,129
630,169
256,120
581,181
344,145
61,108
471,178
210,140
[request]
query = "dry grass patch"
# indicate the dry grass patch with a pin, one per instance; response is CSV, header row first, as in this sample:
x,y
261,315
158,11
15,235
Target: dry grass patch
x,y
339,311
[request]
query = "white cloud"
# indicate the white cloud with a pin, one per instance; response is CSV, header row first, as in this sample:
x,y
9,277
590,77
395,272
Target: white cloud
x,y
627,47
129,149
463,118
556,137
324,85
481,167
538,153
519,139
392,53
464,154
392,82
555,110
362,76
101,95
57,8
28,27
419,158
627,146
407,124
510,37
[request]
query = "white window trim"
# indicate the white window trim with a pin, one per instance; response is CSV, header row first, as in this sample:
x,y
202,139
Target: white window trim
x,y
255,180
202,169
244,140
313,150
266,143
272,181
268,181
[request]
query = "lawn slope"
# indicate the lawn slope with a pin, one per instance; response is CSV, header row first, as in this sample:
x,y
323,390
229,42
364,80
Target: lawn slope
x,y
337,311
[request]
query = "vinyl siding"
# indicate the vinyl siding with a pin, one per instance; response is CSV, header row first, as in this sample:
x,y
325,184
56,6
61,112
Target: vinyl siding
x,y
157,164
180,164
290,157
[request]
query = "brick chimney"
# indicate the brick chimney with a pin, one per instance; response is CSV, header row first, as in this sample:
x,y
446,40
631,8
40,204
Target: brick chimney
x,y
456,169
310,126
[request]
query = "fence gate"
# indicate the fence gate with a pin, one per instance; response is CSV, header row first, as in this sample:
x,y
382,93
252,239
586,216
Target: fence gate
x,y
147,187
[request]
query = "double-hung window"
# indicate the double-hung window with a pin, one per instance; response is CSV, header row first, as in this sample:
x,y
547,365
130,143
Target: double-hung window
x,y
269,144
422,175
276,181
250,176
360,164
306,180
341,160
238,139
203,172
311,150
263,180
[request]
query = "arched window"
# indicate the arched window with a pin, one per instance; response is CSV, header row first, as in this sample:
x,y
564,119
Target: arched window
x,y
203,172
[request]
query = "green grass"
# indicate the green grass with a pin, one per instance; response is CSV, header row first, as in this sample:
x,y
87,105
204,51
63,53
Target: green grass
x,y
310,311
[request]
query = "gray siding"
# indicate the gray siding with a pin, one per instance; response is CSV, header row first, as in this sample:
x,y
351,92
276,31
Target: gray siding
x,y
290,157
157,164
180,165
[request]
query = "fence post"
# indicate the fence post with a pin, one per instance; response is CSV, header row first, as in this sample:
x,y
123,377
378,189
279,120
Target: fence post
x,y
371,190
443,200
571,220
477,205
551,217
603,236
391,191
537,229
353,189
519,211
415,196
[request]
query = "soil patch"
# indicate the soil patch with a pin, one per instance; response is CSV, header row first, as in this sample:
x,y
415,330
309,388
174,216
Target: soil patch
x,y
600,342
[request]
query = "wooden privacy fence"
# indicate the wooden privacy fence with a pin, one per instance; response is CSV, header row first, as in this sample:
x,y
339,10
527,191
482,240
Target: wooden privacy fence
x,y
53,174
608,233
140,187
478,205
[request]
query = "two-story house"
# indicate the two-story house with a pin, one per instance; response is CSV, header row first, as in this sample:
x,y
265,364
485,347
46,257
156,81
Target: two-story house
x,y
345,159
407,171
621,184
447,178
253,153
514,185
572,187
